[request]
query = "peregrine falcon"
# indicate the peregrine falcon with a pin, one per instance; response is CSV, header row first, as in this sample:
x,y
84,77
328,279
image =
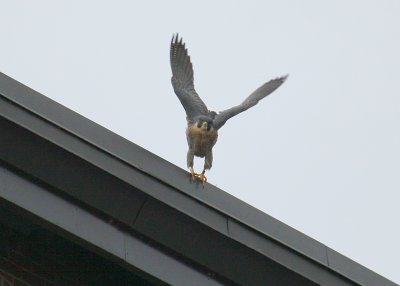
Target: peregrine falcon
x,y
203,124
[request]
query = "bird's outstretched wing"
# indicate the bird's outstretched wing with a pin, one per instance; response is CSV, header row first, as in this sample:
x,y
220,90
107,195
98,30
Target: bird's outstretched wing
x,y
251,100
182,80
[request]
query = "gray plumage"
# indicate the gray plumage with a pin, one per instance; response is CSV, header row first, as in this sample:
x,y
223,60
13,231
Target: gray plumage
x,y
197,111
182,81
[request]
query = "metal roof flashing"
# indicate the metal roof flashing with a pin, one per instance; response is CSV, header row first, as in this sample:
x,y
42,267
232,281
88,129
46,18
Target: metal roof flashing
x,y
148,188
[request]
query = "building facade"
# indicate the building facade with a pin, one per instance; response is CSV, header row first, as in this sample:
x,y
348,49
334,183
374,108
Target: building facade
x,y
79,205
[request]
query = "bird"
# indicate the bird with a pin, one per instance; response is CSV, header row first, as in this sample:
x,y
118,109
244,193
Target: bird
x,y
203,124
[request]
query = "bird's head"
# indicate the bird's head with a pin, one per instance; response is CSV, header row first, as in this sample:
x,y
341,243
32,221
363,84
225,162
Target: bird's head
x,y
205,123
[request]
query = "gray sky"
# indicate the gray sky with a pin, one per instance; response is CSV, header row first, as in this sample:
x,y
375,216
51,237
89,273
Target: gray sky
x,y
320,154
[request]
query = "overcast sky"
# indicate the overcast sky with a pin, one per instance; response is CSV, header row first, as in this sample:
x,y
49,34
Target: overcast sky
x,y
320,154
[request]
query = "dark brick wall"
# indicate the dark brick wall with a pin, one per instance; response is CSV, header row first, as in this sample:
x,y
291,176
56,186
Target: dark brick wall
x,y
31,255
6,279
22,265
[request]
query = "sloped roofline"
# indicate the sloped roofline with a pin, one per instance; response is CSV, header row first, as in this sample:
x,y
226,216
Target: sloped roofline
x,y
145,184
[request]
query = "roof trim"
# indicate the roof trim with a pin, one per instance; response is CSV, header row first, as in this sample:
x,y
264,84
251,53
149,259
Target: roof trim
x,y
87,227
171,185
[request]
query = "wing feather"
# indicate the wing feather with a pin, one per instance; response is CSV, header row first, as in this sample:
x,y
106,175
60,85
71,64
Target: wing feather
x,y
182,80
250,101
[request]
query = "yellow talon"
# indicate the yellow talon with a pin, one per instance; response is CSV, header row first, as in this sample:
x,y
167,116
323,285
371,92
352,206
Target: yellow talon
x,y
194,175
203,178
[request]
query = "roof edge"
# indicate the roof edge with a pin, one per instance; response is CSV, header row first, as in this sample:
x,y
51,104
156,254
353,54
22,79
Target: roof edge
x,y
49,119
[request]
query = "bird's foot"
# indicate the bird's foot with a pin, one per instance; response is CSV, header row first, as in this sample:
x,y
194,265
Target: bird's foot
x,y
194,174
202,178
